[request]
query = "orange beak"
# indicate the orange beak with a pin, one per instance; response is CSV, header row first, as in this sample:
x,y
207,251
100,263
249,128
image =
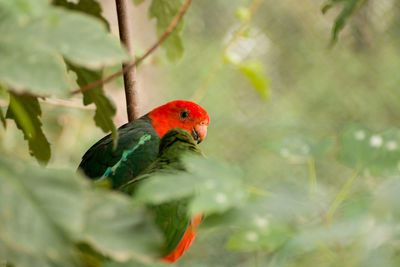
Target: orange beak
x,y
199,133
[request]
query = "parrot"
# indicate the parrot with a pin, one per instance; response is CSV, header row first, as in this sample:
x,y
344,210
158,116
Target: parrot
x,y
178,229
138,142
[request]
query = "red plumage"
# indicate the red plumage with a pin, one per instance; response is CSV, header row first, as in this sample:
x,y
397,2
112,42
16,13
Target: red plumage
x,y
186,241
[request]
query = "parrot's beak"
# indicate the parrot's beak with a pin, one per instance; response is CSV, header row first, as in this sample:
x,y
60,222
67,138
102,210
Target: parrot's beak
x,y
199,132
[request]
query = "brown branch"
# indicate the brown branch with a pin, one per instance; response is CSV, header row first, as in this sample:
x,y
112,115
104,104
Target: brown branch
x,y
167,32
129,75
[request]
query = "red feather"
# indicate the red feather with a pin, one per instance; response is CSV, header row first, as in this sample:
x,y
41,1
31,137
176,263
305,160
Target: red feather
x,y
186,242
167,116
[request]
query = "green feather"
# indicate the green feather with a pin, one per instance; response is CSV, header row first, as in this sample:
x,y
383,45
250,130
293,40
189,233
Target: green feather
x,y
137,147
170,217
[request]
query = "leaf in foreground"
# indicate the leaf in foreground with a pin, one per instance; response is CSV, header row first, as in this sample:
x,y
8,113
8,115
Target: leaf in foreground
x,y
105,109
214,186
36,38
255,74
25,111
164,12
349,8
44,213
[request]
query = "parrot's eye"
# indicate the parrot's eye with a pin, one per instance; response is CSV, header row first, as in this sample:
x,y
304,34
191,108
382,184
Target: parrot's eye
x,y
184,114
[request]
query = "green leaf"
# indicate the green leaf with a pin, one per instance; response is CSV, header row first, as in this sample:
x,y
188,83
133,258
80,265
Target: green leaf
x,y
117,229
255,74
52,33
44,213
342,233
214,187
30,201
267,222
243,13
164,11
105,109
134,264
349,8
266,236
138,2
377,153
387,199
2,118
25,111
299,147
90,7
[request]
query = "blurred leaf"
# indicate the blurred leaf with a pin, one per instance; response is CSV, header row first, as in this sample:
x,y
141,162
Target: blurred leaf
x,y
266,223
30,201
105,109
356,206
133,264
51,33
349,8
164,11
299,147
265,236
255,74
387,199
138,2
104,112
25,111
343,234
119,230
2,118
243,13
90,7
215,187
376,153
44,213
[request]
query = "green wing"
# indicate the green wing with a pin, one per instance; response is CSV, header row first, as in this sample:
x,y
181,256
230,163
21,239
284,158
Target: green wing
x,y
170,217
137,148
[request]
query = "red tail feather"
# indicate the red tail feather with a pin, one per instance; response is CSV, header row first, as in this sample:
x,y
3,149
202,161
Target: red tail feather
x,y
186,241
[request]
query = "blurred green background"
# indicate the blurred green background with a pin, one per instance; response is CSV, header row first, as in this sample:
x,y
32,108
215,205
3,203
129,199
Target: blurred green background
x,y
293,132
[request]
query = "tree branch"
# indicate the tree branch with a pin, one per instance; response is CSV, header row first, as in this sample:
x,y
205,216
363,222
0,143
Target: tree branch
x,y
167,32
129,75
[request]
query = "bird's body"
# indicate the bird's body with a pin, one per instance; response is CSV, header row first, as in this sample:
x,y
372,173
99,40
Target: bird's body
x,y
136,149
179,230
138,141
139,147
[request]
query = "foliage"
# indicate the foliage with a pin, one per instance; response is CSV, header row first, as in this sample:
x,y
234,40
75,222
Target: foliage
x,y
25,111
310,178
164,11
207,194
254,72
45,214
53,33
349,8
105,109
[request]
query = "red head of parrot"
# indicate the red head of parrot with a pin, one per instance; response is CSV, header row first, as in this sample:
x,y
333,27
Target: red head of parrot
x,y
183,114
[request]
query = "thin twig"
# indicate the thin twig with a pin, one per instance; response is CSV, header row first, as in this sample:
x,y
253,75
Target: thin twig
x,y
167,32
130,75
312,175
340,197
67,103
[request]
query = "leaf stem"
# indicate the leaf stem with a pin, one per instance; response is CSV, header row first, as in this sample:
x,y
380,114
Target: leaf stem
x,y
312,175
341,195
128,66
